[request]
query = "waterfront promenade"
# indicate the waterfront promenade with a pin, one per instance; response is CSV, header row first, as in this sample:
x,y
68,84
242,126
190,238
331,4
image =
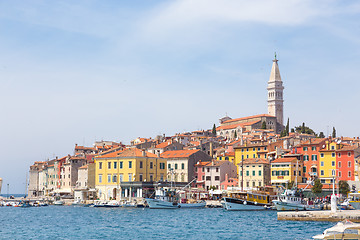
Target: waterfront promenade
x,y
352,215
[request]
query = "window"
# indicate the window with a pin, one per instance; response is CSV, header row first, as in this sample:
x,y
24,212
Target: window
x,y
176,165
208,169
109,178
183,166
349,163
339,174
265,148
322,172
217,169
313,148
121,165
260,186
349,154
162,166
247,149
130,177
305,148
130,164
287,173
121,177
114,178
253,173
100,165
333,163
333,172
258,149
100,178
332,147
332,154
242,157
203,169
339,164
314,157
141,164
322,180
254,184
217,178
203,178
304,169
349,174
294,173
253,149
247,184
306,157
247,173
240,173
109,165
339,155
169,166
273,173
259,173
115,165
321,155
253,155
140,177
208,178
151,178
322,163
151,165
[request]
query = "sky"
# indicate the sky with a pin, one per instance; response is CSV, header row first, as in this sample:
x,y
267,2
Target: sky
x,y
89,70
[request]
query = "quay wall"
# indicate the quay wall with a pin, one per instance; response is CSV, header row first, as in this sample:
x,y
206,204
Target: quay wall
x,y
327,216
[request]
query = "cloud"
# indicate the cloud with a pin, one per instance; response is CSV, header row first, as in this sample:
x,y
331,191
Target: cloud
x,y
189,13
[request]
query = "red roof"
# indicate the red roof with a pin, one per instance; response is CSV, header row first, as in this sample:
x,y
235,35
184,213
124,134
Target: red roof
x,y
236,125
245,118
163,144
178,153
284,160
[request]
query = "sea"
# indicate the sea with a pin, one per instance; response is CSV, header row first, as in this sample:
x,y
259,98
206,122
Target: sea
x,y
75,222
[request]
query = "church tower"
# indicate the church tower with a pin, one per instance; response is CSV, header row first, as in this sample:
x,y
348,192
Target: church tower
x,y
275,93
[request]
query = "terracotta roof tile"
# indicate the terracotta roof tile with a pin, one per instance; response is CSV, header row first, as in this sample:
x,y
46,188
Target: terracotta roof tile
x,y
178,153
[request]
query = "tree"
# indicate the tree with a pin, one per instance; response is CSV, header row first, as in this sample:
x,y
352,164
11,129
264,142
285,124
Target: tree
x,y
321,135
214,130
287,128
290,185
263,125
334,133
344,187
303,128
292,130
317,188
235,134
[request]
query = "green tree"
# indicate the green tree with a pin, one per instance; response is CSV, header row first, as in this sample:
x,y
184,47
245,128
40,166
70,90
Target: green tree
x,y
317,188
235,134
214,130
263,125
321,135
334,133
303,130
287,128
292,130
344,187
290,185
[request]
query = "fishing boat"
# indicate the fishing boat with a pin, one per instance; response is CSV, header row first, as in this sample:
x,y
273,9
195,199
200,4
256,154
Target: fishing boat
x,y
163,200
59,202
345,230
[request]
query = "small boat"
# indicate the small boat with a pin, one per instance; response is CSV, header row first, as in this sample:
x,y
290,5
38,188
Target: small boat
x,y
292,200
345,230
59,202
129,204
200,204
24,204
99,204
77,202
163,200
112,204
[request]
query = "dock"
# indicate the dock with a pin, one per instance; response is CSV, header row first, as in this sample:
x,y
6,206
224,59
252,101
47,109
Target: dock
x,y
328,216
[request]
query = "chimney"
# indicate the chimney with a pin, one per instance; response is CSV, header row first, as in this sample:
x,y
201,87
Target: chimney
x,y
211,149
143,153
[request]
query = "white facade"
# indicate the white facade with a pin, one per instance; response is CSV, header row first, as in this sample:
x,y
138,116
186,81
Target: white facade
x,y
275,93
179,171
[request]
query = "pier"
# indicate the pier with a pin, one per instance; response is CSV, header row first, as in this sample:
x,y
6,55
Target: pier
x,y
328,216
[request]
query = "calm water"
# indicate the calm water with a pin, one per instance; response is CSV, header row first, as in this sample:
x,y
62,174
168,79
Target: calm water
x,y
68,222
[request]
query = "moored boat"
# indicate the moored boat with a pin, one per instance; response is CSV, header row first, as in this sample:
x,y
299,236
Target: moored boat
x,y
345,230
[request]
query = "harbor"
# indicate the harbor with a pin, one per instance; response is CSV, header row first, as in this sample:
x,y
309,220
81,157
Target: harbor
x,y
326,215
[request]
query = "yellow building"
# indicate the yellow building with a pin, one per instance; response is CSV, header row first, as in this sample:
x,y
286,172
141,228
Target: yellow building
x,y
327,162
254,173
248,151
227,157
286,170
123,174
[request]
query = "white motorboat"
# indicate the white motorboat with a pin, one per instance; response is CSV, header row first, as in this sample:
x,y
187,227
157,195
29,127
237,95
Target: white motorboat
x,y
290,200
200,204
77,202
345,230
163,200
59,202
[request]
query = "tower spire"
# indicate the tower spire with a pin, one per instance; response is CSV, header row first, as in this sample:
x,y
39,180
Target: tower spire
x,y
275,92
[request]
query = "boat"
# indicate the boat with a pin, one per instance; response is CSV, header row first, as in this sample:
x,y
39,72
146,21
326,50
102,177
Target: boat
x,y
112,204
77,202
354,200
259,199
59,202
24,204
163,200
345,230
196,204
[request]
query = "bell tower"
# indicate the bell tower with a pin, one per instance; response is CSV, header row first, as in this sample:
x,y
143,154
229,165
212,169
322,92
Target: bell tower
x,y
275,93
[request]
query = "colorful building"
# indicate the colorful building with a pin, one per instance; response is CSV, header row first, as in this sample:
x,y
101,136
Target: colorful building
x,y
285,170
117,172
254,173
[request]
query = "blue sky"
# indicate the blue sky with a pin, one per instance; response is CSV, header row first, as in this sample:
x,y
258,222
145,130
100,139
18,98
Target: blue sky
x,y
79,71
